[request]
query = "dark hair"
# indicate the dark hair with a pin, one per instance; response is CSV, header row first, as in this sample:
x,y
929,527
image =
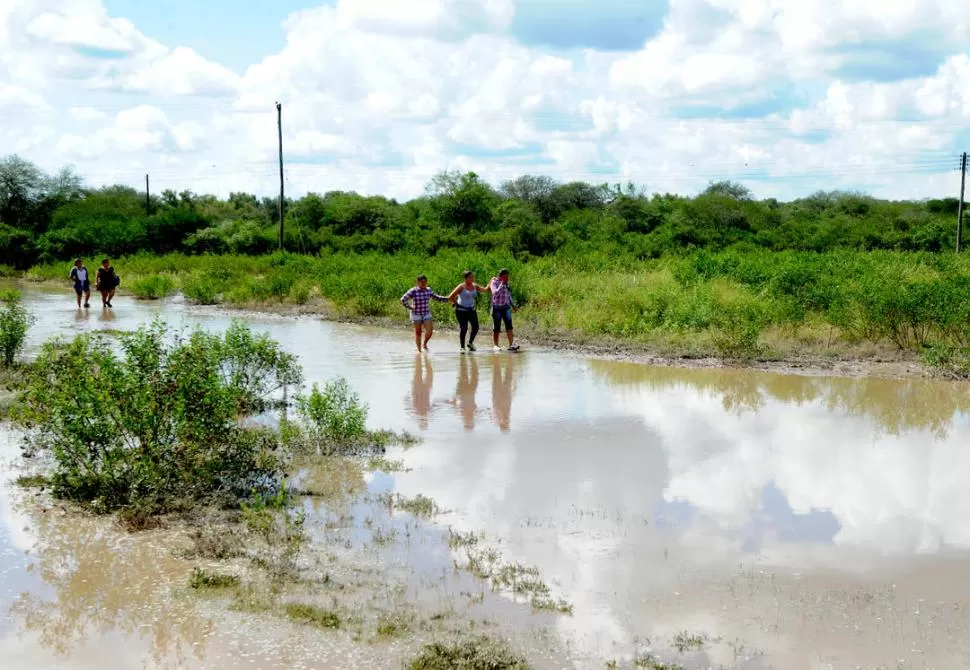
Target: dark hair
x,y
422,278
503,272
467,273
77,260
105,260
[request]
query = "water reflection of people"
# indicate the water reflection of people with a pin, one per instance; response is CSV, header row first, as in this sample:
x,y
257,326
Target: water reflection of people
x,y
502,369
465,392
421,389
106,315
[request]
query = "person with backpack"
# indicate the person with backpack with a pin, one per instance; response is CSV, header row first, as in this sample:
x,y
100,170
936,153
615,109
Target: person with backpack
x,y
82,284
106,282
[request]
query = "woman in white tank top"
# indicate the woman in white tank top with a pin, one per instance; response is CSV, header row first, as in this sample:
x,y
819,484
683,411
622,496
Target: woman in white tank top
x,y
464,299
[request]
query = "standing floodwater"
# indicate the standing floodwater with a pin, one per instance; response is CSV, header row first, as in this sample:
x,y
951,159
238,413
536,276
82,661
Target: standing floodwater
x,y
752,520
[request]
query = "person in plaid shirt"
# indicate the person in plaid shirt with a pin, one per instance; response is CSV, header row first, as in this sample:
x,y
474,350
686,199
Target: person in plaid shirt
x,y
418,301
502,308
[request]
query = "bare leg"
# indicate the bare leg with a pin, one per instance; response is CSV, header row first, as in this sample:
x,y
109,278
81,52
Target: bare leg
x,y
87,297
417,335
79,301
508,334
429,331
495,337
111,294
104,298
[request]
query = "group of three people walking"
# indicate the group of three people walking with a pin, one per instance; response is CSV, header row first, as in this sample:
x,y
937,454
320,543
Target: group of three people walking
x,y
464,297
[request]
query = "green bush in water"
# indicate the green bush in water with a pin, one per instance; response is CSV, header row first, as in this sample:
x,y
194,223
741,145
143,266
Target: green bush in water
x,y
201,291
156,425
15,321
153,287
334,416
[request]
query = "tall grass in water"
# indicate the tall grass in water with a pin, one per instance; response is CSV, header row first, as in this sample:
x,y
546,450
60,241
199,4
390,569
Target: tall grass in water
x,y
722,302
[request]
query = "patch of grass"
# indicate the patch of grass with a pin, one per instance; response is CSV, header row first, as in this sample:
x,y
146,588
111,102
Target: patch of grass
x,y
153,287
381,464
948,361
684,641
202,579
200,291
458,539
547,604
218,541
313,615
651,662
420,506
479,653
253,600
36,481
393,625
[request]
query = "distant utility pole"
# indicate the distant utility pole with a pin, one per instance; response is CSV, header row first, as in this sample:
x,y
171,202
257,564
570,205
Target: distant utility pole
x,y
148,197
279,129
963,183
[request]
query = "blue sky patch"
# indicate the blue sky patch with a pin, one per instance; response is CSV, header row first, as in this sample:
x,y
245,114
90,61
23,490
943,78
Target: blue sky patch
x,y
606,25
918,56
220,30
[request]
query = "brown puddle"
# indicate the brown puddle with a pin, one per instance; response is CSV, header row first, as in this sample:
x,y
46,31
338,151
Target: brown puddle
x,y
753,520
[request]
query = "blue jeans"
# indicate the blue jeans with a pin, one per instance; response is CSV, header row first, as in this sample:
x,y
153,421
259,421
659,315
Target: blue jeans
x,y
500,314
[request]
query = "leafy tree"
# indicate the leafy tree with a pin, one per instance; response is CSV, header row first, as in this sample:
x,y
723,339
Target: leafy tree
x,y
463,201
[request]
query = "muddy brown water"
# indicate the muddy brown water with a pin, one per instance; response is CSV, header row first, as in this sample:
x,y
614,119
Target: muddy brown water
x,y
787,521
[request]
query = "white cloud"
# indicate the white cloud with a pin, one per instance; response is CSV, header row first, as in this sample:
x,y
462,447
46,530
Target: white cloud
x,y
380,95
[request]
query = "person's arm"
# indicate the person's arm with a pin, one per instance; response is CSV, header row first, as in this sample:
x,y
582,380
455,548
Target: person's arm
x,y
406,299
485,289
453,296
97,279
440,298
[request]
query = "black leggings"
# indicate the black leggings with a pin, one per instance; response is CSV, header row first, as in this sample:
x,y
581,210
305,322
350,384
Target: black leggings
x,y
466,317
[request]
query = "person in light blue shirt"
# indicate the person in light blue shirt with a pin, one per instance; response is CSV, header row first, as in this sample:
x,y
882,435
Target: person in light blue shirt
x,y
464,298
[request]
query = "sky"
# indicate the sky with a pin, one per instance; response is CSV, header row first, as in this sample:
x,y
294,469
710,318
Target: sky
x,y
378,96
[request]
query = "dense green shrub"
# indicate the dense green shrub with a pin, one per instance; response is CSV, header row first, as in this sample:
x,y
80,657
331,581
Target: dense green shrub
x,y
153,287
15,321
335,415
157,423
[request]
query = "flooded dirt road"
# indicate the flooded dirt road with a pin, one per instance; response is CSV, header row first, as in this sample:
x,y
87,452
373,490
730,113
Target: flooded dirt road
x,y
711,518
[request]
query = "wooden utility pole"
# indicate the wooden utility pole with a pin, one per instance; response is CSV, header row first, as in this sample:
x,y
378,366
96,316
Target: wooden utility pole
x,y
963,183
148,198
279,129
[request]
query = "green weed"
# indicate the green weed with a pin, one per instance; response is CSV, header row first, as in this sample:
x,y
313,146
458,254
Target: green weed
x,y
420,506
153,287
393,625
313,615
201,579
32,481
479,653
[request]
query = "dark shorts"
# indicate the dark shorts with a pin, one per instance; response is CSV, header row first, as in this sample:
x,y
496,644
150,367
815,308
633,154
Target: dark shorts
x,y
500,314
82,287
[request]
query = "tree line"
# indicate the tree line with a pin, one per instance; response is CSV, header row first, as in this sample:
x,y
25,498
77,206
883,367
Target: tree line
x,y
52,217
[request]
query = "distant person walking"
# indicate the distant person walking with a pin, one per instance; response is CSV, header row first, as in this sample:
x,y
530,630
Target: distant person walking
x,y
502,308
106,282
417,300
82,284
464,298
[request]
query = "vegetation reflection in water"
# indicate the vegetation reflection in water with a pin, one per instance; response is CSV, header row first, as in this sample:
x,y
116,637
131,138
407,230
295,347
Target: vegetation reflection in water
x,y
893,405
